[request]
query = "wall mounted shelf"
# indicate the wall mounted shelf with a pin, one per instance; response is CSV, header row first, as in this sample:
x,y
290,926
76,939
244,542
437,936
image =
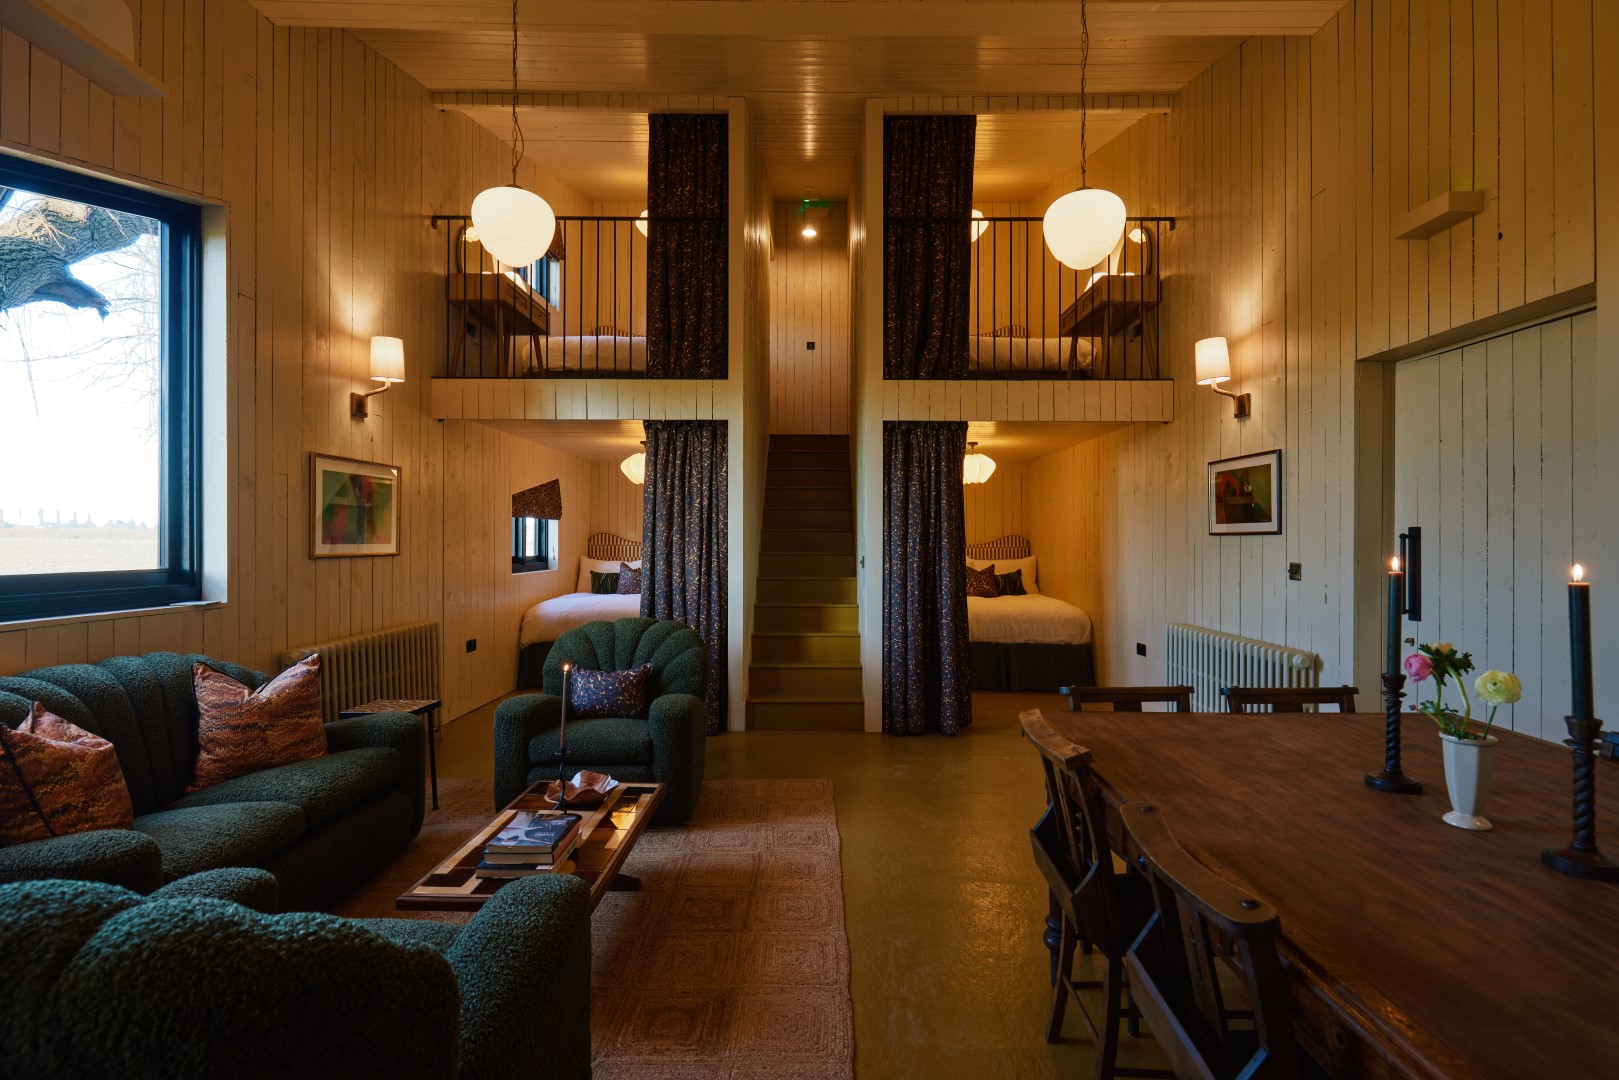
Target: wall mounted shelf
x,y
1438,214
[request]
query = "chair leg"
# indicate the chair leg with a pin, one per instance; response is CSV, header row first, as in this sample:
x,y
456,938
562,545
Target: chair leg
x,y
1053,935
1060,992
1107,1054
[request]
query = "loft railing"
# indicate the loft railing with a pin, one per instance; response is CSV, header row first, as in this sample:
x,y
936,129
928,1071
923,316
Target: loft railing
x,y
579,312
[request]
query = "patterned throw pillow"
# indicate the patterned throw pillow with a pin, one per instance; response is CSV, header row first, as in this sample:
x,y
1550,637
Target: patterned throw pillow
x,y
1011,584
611,693
603,584
56,778
629,580
983,582
241,731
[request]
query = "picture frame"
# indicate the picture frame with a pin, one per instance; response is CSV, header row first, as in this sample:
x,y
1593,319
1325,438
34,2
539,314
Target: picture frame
x,y
1245,495
354,507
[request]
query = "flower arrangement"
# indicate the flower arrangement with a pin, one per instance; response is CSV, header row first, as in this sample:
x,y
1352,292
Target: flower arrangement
x,y
1441,661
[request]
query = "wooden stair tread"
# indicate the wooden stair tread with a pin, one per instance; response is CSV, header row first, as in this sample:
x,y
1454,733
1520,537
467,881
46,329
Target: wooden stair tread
x,y
806,699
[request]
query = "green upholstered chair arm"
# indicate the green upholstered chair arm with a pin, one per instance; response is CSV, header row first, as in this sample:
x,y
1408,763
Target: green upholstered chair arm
x,y
517,721
523,966
678,724
117,856
397,731
252,888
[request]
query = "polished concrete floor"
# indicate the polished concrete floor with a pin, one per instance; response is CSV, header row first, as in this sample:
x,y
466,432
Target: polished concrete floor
x,y
943,905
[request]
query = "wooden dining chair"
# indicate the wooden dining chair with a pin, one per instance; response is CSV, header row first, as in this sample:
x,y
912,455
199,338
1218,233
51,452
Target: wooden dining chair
x,y
1128,698
1203,925
1094,901
1287,699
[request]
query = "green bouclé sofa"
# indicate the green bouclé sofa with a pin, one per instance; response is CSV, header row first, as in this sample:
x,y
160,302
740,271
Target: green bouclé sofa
x,y
202,980
667,746
322,826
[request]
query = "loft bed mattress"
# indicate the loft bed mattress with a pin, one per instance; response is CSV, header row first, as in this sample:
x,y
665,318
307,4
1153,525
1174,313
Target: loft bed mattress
x,y
1016,354
1032,619
550,619
594,353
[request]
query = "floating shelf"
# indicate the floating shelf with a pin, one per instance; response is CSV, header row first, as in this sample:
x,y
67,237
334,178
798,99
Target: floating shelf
x,y
73,44
1438,214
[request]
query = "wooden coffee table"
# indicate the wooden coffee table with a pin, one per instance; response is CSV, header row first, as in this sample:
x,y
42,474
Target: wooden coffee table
x,y
610,832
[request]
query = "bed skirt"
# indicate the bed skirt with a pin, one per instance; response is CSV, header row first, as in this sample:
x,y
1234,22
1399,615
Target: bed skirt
x,y
1027,667
531,665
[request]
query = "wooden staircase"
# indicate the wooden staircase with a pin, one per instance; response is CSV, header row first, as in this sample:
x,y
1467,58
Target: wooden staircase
x,y
806,637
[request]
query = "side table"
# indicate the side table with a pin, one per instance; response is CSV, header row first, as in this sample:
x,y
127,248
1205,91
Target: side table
x,y
416,706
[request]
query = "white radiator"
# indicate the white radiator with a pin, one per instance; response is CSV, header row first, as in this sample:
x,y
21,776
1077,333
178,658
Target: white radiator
x,y
1207,659
399,663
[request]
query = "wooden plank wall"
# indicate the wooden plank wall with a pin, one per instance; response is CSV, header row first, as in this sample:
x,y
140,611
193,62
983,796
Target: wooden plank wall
x,y
328,160
996,507
616,503
1062,520
809,301
1287,163
580,399
1519,429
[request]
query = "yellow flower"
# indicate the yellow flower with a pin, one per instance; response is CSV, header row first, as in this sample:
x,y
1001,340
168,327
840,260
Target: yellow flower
x,y
1499,687
1442,647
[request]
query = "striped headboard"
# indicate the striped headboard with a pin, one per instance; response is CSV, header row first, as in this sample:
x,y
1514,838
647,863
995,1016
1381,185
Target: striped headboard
x,y
1007,547
609,546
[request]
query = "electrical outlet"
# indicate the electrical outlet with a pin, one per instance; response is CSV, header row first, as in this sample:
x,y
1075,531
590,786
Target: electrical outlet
x,y
472,644
810,346
1295,571
1141,648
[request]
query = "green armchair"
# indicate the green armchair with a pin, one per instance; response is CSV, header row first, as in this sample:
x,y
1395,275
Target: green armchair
x,y
200,981
666,747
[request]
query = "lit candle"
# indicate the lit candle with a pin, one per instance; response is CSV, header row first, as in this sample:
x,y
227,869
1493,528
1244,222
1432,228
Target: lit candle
x,y
567,701
1579,641
1396,602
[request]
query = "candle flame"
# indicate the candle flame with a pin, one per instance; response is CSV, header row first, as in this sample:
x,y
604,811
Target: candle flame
x,y
567,665
1394,564
1579,572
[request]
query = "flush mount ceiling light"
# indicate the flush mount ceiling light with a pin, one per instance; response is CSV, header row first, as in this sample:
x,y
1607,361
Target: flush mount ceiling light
x,y
634,467
976,468
811,210
1083,227
514,225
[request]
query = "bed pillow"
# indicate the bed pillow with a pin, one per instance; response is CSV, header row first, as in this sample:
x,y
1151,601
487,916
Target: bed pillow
x,y
1012,584
983,583
621,694
56,778
1031,583
629,580
241,731
601,566
603,584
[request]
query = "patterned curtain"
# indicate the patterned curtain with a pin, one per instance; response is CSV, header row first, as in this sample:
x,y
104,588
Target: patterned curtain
x,y
925,680
683,539
687,245
927,245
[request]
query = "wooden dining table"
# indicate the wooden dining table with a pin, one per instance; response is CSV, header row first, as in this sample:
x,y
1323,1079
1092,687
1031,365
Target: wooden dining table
x,y
1413,949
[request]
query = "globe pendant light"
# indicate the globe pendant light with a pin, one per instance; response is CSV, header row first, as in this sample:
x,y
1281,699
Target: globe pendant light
x,y
976,468
1083,227
514,225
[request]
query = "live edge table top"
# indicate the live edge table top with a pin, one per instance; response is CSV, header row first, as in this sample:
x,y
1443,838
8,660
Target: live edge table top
x,y
610,832
1415,948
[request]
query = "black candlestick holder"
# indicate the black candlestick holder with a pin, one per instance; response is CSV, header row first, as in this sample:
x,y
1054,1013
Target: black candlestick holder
x,y
1393,778
1581,857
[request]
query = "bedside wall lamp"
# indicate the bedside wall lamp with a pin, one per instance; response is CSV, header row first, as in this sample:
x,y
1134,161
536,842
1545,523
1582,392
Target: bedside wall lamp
x,y
1213,361
387,368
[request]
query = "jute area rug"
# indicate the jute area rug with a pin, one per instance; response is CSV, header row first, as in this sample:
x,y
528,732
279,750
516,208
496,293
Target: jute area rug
x,y
731,963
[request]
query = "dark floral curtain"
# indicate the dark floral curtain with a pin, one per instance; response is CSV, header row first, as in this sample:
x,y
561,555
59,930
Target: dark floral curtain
x,y
683,539
925,680
927,245
687,245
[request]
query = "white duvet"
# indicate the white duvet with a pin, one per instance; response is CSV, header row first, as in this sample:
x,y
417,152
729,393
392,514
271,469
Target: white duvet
x,y
550,619
1015,620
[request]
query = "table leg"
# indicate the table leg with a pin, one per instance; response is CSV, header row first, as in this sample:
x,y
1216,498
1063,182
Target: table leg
x,y
432,756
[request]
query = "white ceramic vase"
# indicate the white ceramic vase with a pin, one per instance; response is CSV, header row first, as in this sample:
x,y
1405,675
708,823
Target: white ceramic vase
x,y
1467,777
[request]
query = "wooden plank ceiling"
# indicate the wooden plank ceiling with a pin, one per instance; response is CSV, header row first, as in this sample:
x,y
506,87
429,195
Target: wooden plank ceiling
x,y
805,66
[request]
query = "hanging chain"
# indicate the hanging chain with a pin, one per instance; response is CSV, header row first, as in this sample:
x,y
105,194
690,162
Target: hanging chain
x,y
517,128
1084,105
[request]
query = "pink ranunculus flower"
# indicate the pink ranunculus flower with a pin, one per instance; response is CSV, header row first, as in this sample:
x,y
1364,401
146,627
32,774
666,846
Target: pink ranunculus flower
x,y
1419,667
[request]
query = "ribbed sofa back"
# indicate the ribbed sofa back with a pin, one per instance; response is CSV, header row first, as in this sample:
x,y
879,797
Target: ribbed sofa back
x,y
143,705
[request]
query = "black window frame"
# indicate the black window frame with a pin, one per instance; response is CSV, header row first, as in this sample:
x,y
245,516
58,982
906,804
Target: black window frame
x,y
26,597
542,561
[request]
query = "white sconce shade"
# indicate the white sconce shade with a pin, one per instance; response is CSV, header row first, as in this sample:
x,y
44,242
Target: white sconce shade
x,y
387,359
976,468
514,225
640,223
1213,361
979,226
1083,227
634,468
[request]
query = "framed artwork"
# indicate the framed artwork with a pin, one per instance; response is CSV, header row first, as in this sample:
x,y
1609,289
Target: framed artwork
x,y
1245,494
354,507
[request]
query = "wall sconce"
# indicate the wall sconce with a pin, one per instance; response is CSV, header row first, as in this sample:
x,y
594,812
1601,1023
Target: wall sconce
x,y
387,368
1213,362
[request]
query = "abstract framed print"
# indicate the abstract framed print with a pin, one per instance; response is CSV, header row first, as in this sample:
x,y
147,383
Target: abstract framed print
x,y
1245,494
354,507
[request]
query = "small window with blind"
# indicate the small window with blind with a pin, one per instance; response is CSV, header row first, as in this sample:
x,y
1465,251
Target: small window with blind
x,y
533,544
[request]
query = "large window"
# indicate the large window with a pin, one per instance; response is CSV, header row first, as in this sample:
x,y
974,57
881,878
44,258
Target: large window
x,y
99,381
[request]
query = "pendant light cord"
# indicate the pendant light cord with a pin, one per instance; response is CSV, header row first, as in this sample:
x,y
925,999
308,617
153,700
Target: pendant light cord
x,y
517,128
1084,104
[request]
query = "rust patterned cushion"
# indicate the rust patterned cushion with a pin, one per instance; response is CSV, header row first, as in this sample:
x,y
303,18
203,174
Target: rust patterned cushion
x,y
611,693
983,582
56,778
241,731
629,580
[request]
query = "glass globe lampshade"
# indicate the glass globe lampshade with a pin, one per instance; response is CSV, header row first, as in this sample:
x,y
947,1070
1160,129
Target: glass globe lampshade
x,y
1083,227
640,223
514,225
979,225
977,468
634,468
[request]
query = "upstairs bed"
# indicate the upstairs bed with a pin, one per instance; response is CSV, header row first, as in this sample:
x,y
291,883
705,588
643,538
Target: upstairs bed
x,y
1024,642
550,619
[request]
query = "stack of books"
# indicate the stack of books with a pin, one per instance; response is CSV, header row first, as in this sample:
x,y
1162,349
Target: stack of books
x,y
530,844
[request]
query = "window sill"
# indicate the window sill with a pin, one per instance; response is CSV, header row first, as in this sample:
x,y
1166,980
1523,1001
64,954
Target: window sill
x,y
104,616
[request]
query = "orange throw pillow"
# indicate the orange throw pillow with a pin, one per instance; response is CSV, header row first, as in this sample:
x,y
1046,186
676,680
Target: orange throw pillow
x,y
56,778
241,731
